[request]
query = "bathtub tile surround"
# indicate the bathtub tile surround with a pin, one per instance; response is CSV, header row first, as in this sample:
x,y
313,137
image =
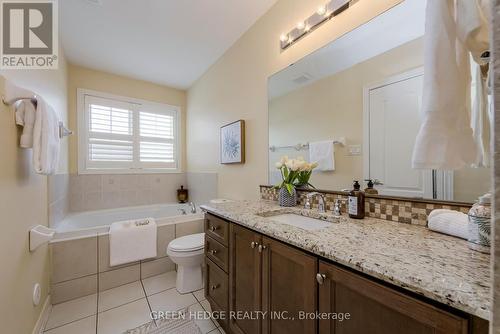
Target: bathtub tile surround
x,y
406,211
73,259
126,307
95,192
58,198
202,186
81,267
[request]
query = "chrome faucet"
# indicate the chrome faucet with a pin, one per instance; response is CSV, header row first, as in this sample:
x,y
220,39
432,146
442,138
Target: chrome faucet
x,y
321,203
193,207
337,209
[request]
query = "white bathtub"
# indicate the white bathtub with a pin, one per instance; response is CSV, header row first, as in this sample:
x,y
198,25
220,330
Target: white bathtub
x,y
91,223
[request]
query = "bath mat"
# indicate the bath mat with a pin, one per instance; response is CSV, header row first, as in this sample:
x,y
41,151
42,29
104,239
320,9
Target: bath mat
x,y
168,326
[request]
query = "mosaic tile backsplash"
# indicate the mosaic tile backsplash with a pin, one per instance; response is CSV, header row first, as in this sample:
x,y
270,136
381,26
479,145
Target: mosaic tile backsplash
x,y
406,211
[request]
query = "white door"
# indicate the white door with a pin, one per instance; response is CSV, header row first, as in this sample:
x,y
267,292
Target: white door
x,y
393,114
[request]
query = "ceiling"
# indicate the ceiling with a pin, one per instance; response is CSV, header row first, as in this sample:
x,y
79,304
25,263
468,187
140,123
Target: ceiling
x,y
169,42
400,25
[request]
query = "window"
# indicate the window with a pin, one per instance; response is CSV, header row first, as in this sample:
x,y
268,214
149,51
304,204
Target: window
x,y
121,135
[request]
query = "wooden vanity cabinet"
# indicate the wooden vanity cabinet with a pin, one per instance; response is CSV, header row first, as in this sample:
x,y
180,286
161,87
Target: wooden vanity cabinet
x,y
289,289
245,279
377,309
248,272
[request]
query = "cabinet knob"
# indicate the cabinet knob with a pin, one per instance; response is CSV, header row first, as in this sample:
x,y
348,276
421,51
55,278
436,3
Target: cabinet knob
x,y
215,286
214,228
213,252
254,244
320,278
261,248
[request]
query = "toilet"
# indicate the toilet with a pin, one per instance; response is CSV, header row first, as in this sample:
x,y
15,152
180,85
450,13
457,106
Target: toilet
x,y
188,252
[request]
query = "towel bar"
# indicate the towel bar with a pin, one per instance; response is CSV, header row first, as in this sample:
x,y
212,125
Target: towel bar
x,y
63,131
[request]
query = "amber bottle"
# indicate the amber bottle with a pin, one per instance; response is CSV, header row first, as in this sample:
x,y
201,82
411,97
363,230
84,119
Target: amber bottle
x,y
356,202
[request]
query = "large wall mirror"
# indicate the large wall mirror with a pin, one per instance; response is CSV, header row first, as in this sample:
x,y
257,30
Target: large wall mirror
x,y
365,87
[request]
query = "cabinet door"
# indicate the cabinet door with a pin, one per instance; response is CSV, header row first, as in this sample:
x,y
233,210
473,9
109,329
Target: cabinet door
x,y
244,279
377,309
289,289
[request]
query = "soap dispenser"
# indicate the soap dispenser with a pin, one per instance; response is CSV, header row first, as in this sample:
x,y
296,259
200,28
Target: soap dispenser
x,y
356,202
369,189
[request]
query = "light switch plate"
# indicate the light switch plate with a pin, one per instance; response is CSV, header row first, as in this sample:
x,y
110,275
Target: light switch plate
x,y
354,150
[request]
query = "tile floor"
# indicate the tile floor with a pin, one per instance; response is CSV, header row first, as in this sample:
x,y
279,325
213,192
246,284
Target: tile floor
x,y
128,306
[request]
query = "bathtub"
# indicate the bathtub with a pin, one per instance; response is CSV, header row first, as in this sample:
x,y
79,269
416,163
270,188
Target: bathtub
x,y
91,223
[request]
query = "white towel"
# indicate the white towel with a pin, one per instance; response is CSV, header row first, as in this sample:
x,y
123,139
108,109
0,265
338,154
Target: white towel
x,y
445,138
132,240
41,128
25,112
25,116
449,222
322,152
480,119
46,141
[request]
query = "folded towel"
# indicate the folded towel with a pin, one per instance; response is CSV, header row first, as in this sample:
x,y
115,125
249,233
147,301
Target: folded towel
x,y
46,141
449,222
132,240
323,153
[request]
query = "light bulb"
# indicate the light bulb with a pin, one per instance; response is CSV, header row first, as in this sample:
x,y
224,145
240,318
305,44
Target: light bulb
x,y
300,25
321,10
283,38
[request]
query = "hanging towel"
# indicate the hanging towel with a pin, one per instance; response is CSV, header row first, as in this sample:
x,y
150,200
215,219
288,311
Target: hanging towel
x,y
322,152
46,141
445,139
25,112
449,222
25,117
132,240
480,119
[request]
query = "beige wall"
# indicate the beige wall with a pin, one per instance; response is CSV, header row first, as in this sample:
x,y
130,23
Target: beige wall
x,y
235,87
23,204
79,77
333,107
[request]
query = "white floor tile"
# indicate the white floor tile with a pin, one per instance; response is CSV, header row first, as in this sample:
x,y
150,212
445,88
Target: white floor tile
x,y
206,305
72,310
199,295
170,300
201,318
120,319
83,326
159,283
119,296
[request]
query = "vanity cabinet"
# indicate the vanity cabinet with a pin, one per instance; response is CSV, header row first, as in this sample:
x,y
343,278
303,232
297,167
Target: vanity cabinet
x,y
377,309
247,272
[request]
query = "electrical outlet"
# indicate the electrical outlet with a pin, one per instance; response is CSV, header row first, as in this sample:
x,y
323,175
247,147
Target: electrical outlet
x,y
354,150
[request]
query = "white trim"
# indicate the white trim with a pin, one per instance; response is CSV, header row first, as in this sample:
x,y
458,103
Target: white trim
x,y
43,317
366,110
83,168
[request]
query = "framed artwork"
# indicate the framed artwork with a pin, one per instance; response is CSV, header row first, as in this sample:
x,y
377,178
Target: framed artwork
x,y
232,143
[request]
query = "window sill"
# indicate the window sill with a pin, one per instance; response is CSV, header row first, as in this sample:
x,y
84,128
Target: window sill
x,y
91,171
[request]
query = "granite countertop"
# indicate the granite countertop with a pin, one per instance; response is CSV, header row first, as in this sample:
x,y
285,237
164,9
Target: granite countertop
x,y
431,264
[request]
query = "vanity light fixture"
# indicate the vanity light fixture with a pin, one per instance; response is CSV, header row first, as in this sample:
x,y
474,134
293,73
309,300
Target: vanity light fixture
x,y
322,14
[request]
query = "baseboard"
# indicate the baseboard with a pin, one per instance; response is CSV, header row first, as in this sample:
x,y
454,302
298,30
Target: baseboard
x,y
44,316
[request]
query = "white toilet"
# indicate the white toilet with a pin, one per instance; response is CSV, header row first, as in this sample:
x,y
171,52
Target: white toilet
x,y
188,252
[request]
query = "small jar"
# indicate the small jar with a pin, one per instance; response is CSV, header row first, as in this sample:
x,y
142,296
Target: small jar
x,y
480,224
182,195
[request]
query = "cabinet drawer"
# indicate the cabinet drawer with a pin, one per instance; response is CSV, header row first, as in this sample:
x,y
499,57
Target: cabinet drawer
x,y
216,285
217,228
216,252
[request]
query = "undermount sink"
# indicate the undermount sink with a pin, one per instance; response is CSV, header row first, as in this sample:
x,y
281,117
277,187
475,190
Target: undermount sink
x,y
306,223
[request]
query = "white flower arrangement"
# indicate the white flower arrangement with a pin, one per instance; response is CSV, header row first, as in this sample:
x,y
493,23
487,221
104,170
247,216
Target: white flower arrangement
x,y
295,172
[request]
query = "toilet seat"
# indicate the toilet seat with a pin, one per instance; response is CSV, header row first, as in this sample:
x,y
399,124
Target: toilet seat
x,y
188,243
